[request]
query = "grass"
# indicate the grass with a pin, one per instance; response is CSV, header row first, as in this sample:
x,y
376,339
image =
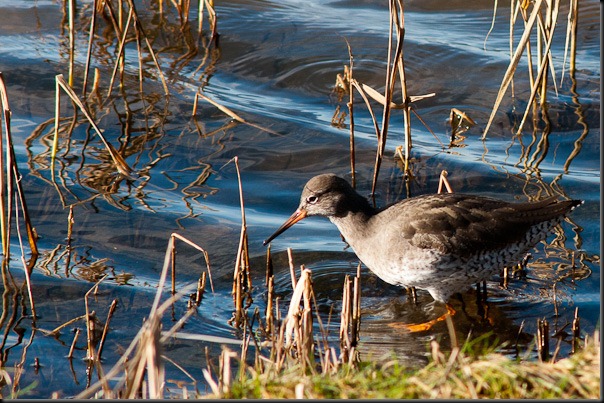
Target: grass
x,y
468,374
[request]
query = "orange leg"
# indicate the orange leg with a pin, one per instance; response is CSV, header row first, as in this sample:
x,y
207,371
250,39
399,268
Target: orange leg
x,y
421,327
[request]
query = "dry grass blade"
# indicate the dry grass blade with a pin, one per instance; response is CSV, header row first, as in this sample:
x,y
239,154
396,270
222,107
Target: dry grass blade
x,y
348,83
89,51
382,100
133,16
242,280
139,29
10,183
73,343
56,331
120,52
91,354
361,90
539,82
4,216
118,160
222,108
230,113
571,36
146,346
395,24
71,39
202,337
106,328
209,4
492,25
509,74
171,251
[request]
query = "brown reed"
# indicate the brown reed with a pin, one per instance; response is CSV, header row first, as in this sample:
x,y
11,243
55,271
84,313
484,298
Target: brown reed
x,y
543,16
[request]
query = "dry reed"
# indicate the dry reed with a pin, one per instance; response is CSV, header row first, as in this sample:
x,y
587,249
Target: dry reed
x,y
395,68
543,16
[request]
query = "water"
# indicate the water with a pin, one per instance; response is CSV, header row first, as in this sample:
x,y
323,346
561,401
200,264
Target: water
x,y
276,66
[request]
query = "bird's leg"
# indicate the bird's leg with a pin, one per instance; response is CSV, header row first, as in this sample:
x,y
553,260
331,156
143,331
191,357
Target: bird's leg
x,y
413,292
481,299
463,303
421,327
523,264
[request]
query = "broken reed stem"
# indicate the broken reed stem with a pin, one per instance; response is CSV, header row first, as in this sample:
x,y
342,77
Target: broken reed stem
x,y
173,271
345,317
269,264
292,270
270,317
55,139
73,343
106,328
571,36
356,308
201,286
70,222
209,4
221,107
388,90
270,285
576,329
55,331
443,181
350,106
118,160
170,258
90,353
242,280
146,337
30,294
89,51
71,11
10,184
544,57
228,112
543,339
292,319
406,99
224,368
120,53
350,317
4,190
140,29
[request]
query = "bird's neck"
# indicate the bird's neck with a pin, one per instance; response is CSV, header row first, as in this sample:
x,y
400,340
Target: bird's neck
x,y
354,218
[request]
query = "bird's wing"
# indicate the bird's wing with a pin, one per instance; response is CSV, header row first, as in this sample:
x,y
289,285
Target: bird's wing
x,y
460,224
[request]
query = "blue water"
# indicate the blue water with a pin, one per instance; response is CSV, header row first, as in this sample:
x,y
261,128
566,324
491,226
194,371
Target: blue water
x,y
276,66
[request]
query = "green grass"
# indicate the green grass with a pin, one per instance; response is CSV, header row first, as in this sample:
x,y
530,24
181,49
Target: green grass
x,y
460,374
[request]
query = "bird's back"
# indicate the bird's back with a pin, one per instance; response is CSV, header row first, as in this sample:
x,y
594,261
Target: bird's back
x,y
464,224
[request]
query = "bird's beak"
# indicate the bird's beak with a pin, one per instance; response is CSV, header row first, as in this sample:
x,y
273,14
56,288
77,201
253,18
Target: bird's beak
x,y
297,216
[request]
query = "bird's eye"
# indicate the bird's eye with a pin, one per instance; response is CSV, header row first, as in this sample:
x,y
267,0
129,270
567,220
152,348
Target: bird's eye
x,y
312,199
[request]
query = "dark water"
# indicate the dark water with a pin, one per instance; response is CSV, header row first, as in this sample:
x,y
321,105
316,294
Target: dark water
x,y
276,66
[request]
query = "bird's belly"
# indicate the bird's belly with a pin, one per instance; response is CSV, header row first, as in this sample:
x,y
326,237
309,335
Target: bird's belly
x,y
440,274
406,271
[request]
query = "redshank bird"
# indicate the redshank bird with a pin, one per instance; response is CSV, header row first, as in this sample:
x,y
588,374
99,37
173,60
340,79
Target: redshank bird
x,y
441,243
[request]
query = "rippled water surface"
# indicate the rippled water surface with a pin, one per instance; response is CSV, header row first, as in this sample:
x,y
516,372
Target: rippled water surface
x,y
275,66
